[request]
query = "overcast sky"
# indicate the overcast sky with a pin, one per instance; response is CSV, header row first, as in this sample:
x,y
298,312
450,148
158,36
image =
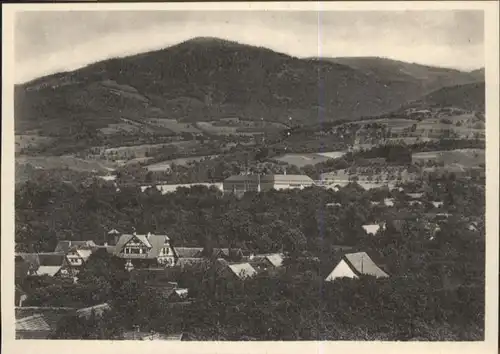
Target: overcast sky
x,y
48,42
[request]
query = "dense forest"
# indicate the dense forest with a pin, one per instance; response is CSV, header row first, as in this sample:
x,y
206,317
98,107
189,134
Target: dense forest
x,y
435,292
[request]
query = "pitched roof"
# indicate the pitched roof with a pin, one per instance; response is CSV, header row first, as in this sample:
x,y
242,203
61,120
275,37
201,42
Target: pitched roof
x,y
242,270
275,259
48,270
188,252
84,254
182,262
153,242
361,263
98,310
37,322
371,228
30,258
51,259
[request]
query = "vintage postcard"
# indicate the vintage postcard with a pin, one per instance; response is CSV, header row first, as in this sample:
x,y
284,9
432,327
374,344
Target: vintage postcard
x,y
253,177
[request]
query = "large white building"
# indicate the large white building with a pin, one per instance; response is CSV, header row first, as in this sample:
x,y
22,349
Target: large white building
x,y
258,183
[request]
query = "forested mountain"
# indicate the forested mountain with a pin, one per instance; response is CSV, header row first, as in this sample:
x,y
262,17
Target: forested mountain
x,y
207,78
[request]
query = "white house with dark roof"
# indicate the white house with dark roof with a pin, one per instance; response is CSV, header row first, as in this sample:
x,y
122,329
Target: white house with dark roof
x,y
145,247
354,265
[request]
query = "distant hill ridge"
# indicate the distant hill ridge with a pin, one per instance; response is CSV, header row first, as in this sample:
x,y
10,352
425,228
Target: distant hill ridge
x,y
205,79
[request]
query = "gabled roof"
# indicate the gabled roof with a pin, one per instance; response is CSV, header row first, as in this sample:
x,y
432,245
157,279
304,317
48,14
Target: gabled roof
x,y
51,259
98,310
37,322
437,204
371,228
153,242
38,325
84,254
362,264
242,270
415,195
223,252
48,270
188,252
182,262
275,259
51,262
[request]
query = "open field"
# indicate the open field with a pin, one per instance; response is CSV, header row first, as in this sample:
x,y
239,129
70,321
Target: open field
x,y
371,174
466,158
69,162
301,160
391,122
235,126
31,141
174,125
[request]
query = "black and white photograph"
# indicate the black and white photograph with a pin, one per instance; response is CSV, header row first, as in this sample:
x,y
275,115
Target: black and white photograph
x,y
234,175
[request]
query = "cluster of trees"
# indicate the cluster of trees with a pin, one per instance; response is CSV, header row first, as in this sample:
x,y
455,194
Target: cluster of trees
x,y
292,304
48,210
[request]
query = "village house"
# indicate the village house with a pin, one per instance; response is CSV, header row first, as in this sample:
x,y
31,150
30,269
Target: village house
x,y
39,322
159,280
233,254
96,310
354,265
150,249
272,260
372,229
49,263
240,271
189,256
